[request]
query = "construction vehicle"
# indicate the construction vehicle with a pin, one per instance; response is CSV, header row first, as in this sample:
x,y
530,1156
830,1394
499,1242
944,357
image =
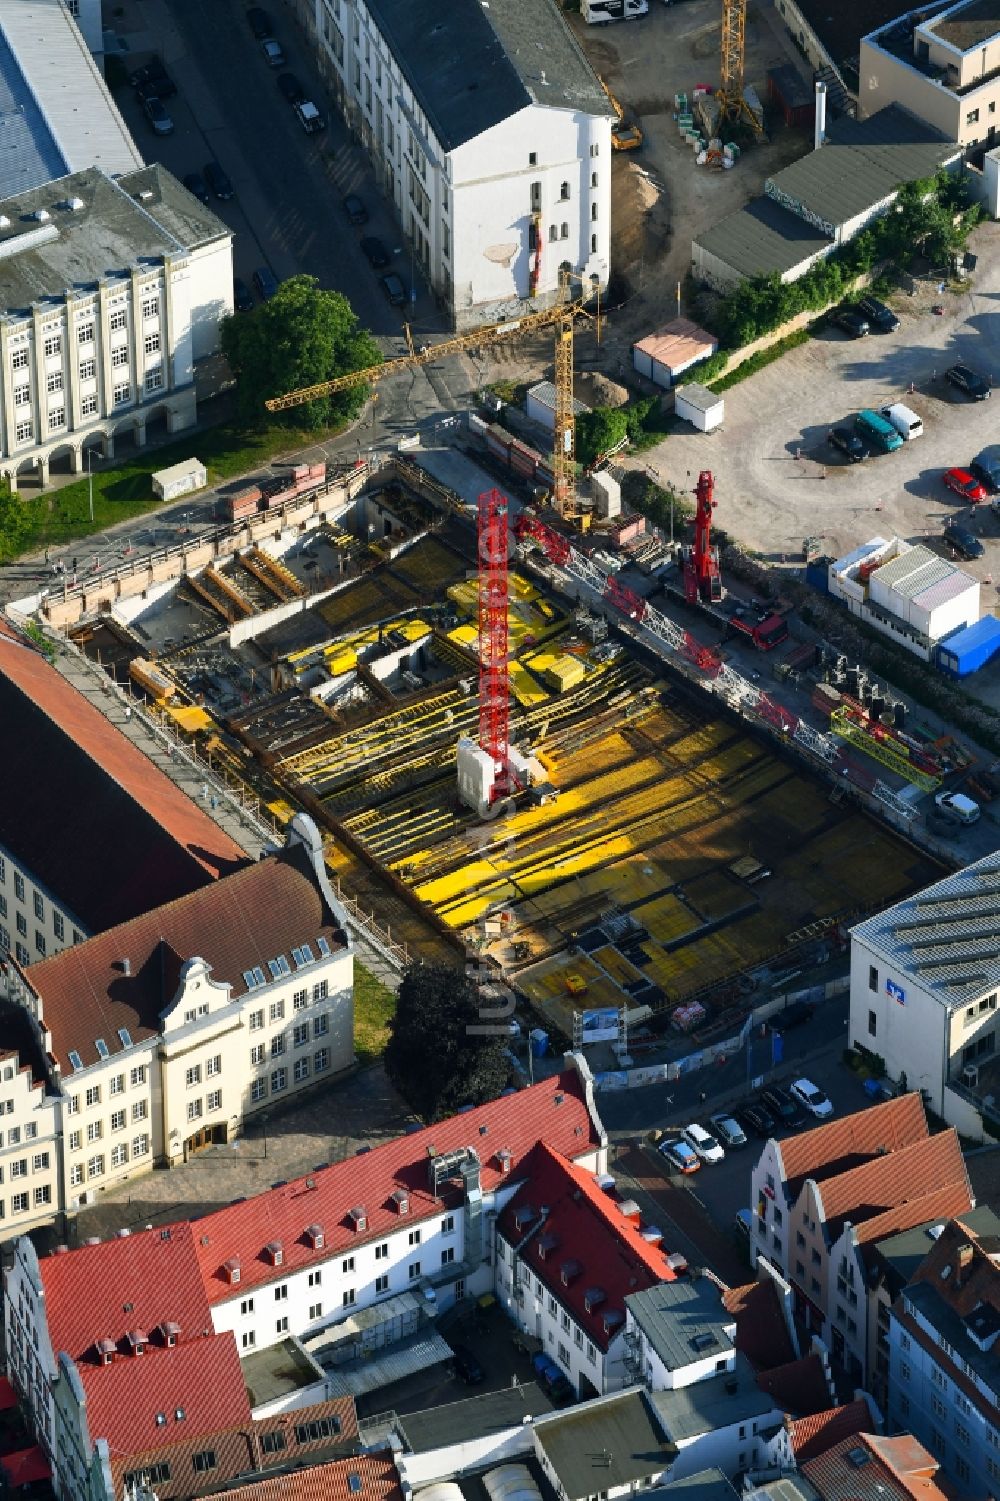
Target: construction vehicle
x,y
765,629
732,99
625,135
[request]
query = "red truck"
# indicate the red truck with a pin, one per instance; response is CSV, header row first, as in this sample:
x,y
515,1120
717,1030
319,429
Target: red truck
x,y
766,632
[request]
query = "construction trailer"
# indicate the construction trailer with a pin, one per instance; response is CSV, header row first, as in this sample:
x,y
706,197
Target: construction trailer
x,y
699,406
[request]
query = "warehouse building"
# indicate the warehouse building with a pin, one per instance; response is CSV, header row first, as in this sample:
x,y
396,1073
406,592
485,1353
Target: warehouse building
x,y
490,134
823,200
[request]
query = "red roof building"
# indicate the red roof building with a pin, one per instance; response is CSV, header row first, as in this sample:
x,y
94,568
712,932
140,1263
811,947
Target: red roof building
x,y
814,1435
364,1477
865,1467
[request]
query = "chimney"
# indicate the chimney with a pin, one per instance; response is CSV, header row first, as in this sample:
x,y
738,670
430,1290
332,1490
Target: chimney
x,y
820,130
126,966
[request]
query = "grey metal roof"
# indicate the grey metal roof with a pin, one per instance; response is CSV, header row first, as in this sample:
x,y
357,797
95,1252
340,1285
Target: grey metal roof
x,y
703,1406
941,590
56,114
914,570
110,230
862,163
684,1321
605,1444
706,1485
473,63
477,1417
899,1255
946,936
967,25
762,237
951,1327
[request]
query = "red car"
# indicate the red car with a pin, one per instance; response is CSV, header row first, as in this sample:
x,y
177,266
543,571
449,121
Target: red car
x,y
965,485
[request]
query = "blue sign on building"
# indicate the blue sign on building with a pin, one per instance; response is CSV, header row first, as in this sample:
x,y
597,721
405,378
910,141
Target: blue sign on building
x,y
895,991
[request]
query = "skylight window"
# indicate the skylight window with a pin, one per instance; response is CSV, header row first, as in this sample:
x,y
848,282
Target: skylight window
x,y
303,955
102,1048
324,948
354,1483
279,967
254,977
75,1059
125,1037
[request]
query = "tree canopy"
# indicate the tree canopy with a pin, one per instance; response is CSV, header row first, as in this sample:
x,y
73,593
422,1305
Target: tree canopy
x,y
433,1057
299,337
15,523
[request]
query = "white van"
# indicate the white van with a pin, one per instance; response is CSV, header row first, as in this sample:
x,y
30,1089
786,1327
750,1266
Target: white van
x,y
603,12
957,807
906,422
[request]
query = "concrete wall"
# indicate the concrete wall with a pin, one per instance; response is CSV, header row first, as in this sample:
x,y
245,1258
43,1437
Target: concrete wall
x,y
912,1037
886,79
461,1459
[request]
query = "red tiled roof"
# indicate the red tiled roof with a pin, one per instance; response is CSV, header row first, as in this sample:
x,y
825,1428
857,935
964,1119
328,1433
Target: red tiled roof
x,y
820,1431
897,1470
846,1143
586,1227
513,1124
138,1282
377,1480
880,1184
961,1272
199,1378
761,1332
940,1204
237,922
25,1467
101,804
800,1387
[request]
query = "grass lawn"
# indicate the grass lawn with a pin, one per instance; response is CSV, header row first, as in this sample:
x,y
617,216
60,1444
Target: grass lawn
x,y
123,491
374,1004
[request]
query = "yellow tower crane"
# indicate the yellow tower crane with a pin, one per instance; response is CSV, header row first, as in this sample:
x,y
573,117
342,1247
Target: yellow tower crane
x,y
562,315
730,94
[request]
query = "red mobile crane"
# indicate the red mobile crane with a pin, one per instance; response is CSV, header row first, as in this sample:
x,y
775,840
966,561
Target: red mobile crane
x,y
494,684
703,580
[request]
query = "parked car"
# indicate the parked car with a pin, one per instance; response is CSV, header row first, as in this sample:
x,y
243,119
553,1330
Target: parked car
x,y
680,1156
273,54
218,182
467,1367
814,1100
849,443
375,252
965,485
552,1379
155,76
158,115
393,288
702,1142
291,88
956,807
964,542
309,117
743,1223
854,324
755,1118
242,296
985,467
259,22
265,282
969,381
786,1111
195,183
728,1130
879,316
354,209
795,1015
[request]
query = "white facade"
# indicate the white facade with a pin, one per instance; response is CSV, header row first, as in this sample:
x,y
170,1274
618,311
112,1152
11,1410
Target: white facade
x,y
30,1148
469,214
537,1311
33,922
905,592
87,15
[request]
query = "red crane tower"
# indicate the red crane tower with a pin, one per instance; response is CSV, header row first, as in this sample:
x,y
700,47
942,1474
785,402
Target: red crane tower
x,y
494,684
702,580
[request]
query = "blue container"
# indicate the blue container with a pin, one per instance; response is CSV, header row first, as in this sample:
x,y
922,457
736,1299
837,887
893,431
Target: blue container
x,y
817,576
968,649
539,1043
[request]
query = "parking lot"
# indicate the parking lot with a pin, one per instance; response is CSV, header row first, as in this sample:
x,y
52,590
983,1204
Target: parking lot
x,y
778,480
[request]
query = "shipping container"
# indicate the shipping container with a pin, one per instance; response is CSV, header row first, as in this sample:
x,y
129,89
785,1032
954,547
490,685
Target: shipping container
x,y
970,648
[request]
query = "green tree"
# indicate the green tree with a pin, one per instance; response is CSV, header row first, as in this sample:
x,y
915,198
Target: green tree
x,y
598,431
301,336
434,1057
15,524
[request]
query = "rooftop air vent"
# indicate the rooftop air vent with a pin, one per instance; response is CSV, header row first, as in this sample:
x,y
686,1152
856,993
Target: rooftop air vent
x,y
358,1218
857,1456
145,195
315,1237
75,205
400,1201
4,222
505,1159
274,1251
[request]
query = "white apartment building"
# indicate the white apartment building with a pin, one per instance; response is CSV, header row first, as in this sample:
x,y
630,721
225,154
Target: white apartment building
x,y
942,63
415,1214
165,1033
490,134
924,984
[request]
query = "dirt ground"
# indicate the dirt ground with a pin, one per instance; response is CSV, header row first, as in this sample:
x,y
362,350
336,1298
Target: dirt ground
x,y
660,197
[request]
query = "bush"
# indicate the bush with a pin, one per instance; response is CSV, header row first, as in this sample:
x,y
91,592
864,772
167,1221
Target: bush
x,y
600,430
762,358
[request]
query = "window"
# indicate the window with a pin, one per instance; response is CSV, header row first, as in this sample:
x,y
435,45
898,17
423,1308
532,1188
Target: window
x,y
23,431
593,179
872,977
213,1100
249,1339
203,1461
553,233
414,1270
300,1035
591,1353
57,418
75,1140
382,1283
281,1325
800,1270
19,1204
76,1175
321,1060
157,1474
122,393
321,1025
19,359
594,150
85,333
119,320
154,378
22,925
904,1370
256,1020
593,244
816,1258
42,1196
321,990
193,1076
53,344
194,1110
382,1251
277,1045
300,999
257,1053
316,1277
276,1011
312,1432
53,382
246,1307
532,158
349,1297
213,1066
904,1341
279,1079
40,943
94,1130
151,343
281,1292
140,1110
119,1154
22,396
564,190
962,1433
258,1091
119,357
937,1406
448,1225
448,1256
872,1024
95,1167
118,1120
301,1070
414,1237
972,118
117,1085
140,1145
315,1310
564,231
151,307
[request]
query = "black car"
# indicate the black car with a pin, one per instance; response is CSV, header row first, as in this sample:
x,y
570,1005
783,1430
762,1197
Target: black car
x,y
394,289
291,88
195,183
969,381
155,75
218,181
355,209
467,1367
242,296
879,316
795,1015
265,282
158,115
849,443
755,1119
986,468
259,22
786,1111
376,253
853,323
964,542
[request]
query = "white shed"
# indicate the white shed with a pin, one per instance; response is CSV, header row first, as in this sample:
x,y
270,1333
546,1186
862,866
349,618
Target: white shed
x,y
541,405
179,479
699,406
665,355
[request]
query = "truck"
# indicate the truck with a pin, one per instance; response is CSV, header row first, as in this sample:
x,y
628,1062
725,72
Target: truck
x,y
603,12
765,631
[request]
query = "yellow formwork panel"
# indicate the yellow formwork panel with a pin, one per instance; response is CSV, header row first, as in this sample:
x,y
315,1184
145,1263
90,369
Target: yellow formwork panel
x,y
524,687
617,966
281,811
666,918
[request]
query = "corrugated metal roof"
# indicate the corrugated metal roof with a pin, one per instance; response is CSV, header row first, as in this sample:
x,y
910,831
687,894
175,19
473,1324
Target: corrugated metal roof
x,y
762,237
56,114
895,573
940,591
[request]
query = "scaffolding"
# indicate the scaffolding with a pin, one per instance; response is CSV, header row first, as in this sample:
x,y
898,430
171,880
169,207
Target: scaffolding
x,y
881,748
